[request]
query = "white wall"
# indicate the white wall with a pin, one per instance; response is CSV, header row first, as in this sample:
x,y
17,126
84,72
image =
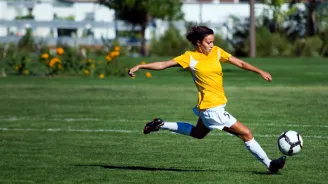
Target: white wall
x,y
43,12
3,6
217,13
206,13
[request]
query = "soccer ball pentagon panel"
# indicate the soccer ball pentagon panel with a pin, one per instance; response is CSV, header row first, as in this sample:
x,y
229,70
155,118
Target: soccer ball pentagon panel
x,y
290,142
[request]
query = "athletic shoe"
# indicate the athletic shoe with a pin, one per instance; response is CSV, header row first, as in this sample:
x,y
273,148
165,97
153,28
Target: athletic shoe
x,y
277,164
153,125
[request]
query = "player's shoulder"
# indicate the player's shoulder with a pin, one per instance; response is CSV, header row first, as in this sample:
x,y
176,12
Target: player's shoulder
x,y
216,48
186,53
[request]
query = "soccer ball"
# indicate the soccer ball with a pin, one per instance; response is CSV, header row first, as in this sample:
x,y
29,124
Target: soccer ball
x,y
290,142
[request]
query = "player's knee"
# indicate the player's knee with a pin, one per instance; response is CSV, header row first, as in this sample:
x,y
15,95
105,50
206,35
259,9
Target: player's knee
x,y
247,135
199,132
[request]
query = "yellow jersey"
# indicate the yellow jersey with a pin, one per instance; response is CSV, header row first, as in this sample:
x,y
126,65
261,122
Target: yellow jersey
x,y
207,74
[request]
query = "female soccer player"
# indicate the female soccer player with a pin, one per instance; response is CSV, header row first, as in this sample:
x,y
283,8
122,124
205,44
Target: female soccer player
x,y
204,63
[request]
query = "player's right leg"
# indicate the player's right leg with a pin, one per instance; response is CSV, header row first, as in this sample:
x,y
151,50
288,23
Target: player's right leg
x,y
200,131
244,133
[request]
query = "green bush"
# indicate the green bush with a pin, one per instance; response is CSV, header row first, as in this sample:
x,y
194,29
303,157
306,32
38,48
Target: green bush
x,y
270,44
27,41
263,42
19,63
324,47
71,61
222,43
280,45
171,43
307,47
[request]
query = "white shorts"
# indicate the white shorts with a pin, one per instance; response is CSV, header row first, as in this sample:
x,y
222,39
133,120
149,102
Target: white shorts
x,y
215,117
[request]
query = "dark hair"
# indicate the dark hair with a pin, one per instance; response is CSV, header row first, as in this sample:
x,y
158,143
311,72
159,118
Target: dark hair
x,y
197,33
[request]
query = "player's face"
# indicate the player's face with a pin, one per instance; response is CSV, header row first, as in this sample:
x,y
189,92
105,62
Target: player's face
x,y
207,44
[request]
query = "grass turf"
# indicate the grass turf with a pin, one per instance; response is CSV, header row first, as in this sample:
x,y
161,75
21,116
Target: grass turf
x,y
87,130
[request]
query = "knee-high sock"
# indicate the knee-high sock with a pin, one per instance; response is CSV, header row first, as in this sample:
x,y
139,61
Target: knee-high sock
x,y
254,147
178,127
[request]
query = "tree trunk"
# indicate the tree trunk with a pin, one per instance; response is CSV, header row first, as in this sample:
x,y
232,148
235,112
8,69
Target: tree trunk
x,y
252,47
311,24
143,50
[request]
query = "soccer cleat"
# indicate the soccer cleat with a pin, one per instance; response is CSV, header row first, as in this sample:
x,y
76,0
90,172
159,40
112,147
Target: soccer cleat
x,y
277,164
153,125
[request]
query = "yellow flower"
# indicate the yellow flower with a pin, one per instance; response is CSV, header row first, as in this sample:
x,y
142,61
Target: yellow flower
x,y
53,61
90,60
101,76
108,58
45,56
143,62
148,74
60,51
86,72
26,72
117,48
17,67
93,66
114,54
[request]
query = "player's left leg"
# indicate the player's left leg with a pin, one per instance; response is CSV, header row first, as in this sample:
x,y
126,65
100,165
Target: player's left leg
x,y
178,127
199,131
251,144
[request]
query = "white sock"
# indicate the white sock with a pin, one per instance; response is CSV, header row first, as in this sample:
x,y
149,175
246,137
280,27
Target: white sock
x,y
258,152
178,127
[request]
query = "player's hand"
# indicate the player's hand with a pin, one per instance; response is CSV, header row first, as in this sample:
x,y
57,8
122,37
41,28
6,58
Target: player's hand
x,y
266,76
132,70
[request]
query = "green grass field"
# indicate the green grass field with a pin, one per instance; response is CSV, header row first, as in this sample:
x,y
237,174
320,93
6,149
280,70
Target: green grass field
x,y
88,130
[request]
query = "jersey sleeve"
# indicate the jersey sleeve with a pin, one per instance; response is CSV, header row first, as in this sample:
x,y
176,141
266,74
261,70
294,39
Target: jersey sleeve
x,y
183,60
223,55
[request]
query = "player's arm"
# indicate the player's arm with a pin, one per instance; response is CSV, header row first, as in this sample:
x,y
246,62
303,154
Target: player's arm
x,y
160,65
246,66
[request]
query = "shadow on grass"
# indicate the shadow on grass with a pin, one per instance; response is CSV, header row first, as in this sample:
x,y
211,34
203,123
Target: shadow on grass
x,y
142,168
265,173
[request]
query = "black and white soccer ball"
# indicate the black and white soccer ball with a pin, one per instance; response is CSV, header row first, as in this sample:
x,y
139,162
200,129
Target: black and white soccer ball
x,y
290,142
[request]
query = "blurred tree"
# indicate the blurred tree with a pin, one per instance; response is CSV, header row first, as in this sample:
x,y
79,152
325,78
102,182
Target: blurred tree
x,y
277,14
295,21
252,29
322,17
312,6
140,12
306,22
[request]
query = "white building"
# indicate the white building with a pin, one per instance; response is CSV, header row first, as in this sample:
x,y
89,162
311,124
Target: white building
x,y
100,19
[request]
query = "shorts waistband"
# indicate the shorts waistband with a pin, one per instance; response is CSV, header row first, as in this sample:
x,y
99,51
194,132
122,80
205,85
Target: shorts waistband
x,y
215,108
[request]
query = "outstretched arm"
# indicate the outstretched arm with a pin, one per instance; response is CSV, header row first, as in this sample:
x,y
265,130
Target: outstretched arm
x,y
161,65
246,66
